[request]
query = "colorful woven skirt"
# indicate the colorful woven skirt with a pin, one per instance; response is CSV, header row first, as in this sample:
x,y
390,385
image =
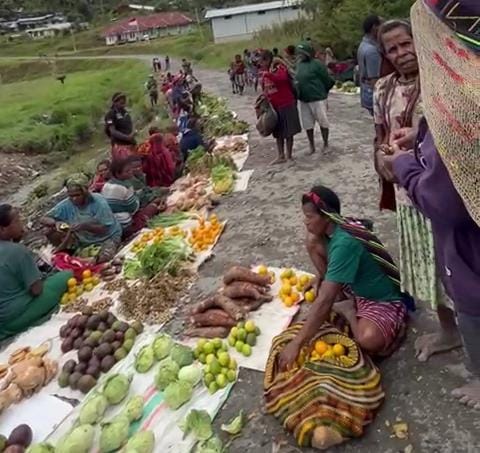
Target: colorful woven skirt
x,y
323,401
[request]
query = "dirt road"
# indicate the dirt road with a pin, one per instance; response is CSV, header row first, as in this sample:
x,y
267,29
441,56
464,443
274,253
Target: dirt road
x,y
265,225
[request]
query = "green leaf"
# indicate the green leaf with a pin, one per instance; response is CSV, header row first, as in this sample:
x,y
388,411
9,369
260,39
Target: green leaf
x,y
235,425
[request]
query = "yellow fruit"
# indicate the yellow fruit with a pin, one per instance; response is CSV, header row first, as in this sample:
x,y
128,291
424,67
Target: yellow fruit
x,y
64,299
95,280
328,354
79,291
72,290
287,273
321,347
304,280
88,287
262,270
250,326
299,287
310,296
288,301
87,280
72,282
315,355
72,297
295,297
338,349
286,289
272,277
87,273
293,280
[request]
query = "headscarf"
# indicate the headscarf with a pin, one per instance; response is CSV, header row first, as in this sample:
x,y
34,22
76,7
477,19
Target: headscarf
x,y
446,33
77,180
305,48
117,96
372,244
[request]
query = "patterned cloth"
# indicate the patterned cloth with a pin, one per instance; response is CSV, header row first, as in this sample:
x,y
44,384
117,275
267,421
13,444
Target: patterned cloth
x,y
122,151
122,199
342,396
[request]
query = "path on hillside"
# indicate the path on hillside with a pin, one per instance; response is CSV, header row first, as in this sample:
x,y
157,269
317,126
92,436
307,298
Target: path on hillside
x,y
265,225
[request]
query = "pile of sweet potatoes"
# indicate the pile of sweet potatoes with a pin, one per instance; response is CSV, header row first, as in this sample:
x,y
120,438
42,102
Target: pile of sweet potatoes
x,y
243,291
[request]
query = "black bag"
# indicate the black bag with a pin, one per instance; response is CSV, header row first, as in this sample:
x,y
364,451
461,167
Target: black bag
x,y
267,117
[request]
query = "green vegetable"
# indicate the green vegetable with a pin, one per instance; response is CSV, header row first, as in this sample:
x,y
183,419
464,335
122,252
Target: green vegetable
x,y
168,220
79,440
141,442
212,445
198,423
116,388
132,269
222,178
190,373
145,359
93,409
134,408
182,354
167,255
114,434
235,425
167,373
162,346
40,448
177,393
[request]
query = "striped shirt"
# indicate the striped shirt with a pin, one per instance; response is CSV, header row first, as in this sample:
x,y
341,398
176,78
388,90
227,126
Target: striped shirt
x,y
122,199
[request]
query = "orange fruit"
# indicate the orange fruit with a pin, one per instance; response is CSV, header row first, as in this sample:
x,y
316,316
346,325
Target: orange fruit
x,y
72,282
310,296
288,301
338,349
321,347
286,289
293,280
295,297
87,273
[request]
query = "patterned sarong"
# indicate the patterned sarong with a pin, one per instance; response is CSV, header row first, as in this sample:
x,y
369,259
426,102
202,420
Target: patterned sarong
x,y
341,394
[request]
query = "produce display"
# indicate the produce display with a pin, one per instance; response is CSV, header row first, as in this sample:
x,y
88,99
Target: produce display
x,y
76,288
18,441
220,368
332,348
28,370
243,291
199,162
236,145
223,178
243,337
101,340
294,287
346,87
96,306
206,234
165,220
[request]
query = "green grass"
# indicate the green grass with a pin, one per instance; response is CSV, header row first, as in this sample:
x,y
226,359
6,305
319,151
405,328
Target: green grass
x,y
43,116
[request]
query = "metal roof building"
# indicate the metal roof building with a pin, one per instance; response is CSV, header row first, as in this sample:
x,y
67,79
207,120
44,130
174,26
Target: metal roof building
x,y
241,22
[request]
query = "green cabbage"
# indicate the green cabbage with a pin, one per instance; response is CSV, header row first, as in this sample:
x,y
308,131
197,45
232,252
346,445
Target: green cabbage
x,y
145,359
190,373
183,355
198,423
134,408
116,388
161,346
141,442
92,411
167,373
79,440
177,393
114,434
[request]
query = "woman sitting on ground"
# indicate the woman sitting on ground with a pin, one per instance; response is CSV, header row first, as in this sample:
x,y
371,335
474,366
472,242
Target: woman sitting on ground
x,y
124,201
26,298
102,175
83,219
355,270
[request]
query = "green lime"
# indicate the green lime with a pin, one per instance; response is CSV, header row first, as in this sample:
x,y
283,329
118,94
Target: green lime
x,y
202,358
257,331
233,364
241,325
210,358
206,369
224,358
217,343
213,387
221,380
251,339
196,352
247,350
208,348
232,340
234,332
224,371
201,343
209,378
242,334
215,367
250,326
239,346
231,375
224,347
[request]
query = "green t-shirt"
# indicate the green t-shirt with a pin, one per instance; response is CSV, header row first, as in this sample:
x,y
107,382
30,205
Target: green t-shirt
x,y
350,263
312,81
18,272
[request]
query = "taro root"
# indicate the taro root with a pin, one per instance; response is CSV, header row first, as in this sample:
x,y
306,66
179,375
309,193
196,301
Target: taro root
x,y
67,345
103,350
85,354
64,331
86,383
102,327
77,343
69,366
107,363
108,336
21,435
73,380
63,379
93,322
81,367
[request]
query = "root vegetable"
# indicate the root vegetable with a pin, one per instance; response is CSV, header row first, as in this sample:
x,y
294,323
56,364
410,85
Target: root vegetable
x,y
237,290
213,317
249,304
239,273
229,306
207,332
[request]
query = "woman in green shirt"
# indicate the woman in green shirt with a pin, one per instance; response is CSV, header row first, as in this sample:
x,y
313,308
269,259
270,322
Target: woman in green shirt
x,y
25,296
356,277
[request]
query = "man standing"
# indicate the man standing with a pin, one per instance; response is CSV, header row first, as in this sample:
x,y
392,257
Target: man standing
x,y
167,63
152,89
369,61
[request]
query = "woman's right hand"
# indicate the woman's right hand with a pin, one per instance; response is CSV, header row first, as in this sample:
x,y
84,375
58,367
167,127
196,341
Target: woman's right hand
x,y
404,138
381,166
289,355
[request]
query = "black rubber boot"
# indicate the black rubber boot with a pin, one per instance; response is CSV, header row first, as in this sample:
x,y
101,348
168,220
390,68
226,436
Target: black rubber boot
x,y
325,131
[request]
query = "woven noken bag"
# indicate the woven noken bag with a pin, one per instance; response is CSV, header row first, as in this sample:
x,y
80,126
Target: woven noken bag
x,y
450,81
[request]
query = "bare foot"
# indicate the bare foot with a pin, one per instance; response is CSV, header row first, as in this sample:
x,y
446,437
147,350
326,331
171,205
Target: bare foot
x,y
325,149
435,343
312,151
469,394
347,309
278,160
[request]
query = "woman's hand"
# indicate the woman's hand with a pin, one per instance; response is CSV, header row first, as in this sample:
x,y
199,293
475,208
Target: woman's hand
x,y
404,137
388,160
383,169
289,355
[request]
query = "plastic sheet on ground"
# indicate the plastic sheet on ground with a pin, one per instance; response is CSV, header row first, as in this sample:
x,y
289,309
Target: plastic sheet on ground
x,y
157,416
243,178
334,90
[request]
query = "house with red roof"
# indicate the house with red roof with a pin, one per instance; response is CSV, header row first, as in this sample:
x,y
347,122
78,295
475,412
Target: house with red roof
x,y
143,28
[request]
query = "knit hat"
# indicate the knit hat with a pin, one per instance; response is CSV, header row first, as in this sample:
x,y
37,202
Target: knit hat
x,y
305,48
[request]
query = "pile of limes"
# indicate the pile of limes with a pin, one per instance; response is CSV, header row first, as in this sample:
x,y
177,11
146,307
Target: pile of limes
x,y
293,286
243,337
220,368
323,350
76,289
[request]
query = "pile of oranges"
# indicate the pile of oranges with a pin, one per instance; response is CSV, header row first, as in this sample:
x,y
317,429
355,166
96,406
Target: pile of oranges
x,y
323,350
157,235
293,286
76,289
205,235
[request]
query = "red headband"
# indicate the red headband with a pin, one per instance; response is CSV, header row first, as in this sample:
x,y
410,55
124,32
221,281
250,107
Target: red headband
x,y
316,200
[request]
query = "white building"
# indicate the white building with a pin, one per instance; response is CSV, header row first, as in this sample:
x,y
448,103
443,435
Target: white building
x,y
241,22
49,31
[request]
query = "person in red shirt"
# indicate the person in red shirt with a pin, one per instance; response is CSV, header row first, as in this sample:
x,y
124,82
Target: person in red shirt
x,y
278,88
238,70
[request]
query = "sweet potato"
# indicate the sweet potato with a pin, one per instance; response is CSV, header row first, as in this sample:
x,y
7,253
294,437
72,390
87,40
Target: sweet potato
x,y
207,332
212,317
242,274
